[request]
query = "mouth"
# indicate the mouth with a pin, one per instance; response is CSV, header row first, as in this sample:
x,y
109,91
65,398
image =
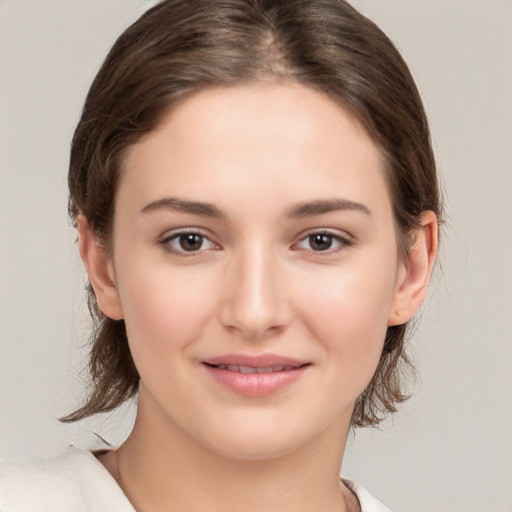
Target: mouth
x,y
255,376
255,369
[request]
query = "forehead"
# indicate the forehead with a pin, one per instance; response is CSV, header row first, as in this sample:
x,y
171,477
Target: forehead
x,y
281,140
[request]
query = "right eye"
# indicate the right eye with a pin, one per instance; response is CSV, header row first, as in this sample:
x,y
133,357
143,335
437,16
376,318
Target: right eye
x,y
187,243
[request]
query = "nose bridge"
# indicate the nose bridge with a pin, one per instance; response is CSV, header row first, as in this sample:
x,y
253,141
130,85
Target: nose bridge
x,y
253,304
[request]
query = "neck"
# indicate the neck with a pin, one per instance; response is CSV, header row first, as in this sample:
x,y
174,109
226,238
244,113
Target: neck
x,y
159,464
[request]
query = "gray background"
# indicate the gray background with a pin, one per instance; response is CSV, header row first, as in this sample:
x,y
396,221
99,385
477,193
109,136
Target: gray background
x,y
450,449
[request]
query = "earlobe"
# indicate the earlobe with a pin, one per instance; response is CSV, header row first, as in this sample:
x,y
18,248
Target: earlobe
x,y
414,277
99,269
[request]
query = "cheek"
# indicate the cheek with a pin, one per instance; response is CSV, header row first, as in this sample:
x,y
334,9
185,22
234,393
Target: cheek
x,y
347,312
164,311
347,300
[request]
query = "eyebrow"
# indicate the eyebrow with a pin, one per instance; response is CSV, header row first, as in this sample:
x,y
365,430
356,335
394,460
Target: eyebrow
x,y
322,206
180,205
308,209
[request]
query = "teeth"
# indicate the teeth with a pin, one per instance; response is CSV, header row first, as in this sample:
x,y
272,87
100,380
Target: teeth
x,y
246,369
265,370
250,369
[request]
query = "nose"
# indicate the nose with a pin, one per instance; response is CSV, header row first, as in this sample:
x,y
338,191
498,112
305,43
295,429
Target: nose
x,y
254,305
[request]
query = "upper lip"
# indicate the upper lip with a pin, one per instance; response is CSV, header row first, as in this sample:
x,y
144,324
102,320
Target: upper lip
x,y
254,361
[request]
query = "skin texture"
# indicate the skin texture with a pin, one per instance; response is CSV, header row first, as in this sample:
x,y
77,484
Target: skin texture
x,y
257,285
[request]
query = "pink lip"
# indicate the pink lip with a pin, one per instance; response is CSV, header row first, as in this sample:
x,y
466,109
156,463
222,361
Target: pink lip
x,y
287,372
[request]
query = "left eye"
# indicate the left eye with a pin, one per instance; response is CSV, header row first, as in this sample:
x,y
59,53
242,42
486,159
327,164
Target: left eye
x,y
323,242
188,243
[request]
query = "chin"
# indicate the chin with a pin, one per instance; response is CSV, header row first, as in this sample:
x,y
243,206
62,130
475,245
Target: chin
x,y
264,440
249,449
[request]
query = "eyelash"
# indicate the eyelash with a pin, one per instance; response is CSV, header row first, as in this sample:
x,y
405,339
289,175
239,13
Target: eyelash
x,y
166,243
342,241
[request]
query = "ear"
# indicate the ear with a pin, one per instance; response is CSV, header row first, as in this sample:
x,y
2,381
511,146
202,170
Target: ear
x,y
414,273
100,270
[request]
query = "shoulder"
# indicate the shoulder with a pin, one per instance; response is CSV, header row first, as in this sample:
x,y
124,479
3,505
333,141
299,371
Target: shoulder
x,y
40,487
73,482
368,502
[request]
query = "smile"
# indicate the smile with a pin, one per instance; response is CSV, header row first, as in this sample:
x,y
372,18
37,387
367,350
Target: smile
x,y
249,369
255,376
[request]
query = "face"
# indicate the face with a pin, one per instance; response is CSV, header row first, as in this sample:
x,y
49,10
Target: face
x,y
256,266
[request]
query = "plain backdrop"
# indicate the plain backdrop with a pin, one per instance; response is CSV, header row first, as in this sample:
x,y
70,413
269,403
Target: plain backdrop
x,y
450,448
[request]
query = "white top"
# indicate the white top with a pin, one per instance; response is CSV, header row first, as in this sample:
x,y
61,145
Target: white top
x,y
78,482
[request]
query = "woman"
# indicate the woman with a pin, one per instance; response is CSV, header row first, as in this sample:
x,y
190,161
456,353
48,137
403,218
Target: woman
x,y
256,200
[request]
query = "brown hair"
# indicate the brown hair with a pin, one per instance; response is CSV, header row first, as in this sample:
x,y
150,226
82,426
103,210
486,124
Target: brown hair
x,y
181,46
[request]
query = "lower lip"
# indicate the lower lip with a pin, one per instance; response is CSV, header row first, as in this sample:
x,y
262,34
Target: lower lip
x,y
256,384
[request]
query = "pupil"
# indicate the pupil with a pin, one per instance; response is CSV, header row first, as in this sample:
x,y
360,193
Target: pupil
x,y
321,242
191,242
